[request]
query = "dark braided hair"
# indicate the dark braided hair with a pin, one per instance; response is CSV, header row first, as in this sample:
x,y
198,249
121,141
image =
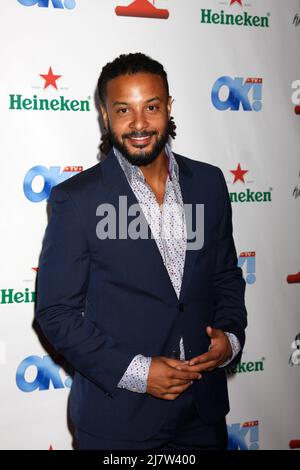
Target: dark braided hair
x,y
130,64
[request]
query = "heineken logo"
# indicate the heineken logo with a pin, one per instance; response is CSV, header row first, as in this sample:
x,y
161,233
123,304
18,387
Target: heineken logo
x,y
50,79
242,367
235,17
18,101
247,195
11,296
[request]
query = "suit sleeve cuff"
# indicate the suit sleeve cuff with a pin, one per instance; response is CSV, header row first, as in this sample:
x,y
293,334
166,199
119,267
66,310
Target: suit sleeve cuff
x,y
235,346
135,376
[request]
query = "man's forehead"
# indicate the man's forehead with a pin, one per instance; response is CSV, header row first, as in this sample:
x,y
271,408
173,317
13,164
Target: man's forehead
x,y
143,83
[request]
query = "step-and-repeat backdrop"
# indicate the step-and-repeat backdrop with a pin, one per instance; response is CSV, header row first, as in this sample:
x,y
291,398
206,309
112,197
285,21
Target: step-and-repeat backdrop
x,y
234,75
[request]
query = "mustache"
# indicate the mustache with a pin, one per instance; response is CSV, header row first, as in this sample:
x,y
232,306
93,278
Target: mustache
x,y
134,135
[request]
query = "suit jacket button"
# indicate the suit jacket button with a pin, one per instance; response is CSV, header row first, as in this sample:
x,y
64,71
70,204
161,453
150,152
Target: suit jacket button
x,y
181,307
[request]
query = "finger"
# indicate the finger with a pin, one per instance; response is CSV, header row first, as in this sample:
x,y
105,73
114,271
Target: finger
x,y
213,332
211,354
206,357
208,366
199,368
187,374
180,382
178,389
176,382
173,362
170,396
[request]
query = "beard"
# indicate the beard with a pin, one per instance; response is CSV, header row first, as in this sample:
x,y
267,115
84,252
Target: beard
x,y
141,158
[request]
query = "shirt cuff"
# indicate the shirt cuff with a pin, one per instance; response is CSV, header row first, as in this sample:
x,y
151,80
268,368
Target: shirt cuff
x,y
235,346
136,374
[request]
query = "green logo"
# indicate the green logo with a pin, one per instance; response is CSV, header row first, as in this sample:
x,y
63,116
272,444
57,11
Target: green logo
x,y
251,196
59,103
43,104
10,296
242,367
247,195
208,16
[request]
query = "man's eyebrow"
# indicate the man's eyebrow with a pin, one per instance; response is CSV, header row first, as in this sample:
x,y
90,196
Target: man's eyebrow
x,y
123,103
118,103
156,98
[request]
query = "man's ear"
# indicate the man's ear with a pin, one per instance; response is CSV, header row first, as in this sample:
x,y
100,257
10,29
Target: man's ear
x,y
104,115
169,106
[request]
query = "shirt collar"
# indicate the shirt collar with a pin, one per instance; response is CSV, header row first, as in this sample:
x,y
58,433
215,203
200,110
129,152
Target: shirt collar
x,y
133,171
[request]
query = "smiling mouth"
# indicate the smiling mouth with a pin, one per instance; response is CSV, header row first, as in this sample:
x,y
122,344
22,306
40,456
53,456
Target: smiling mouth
x,y
141,141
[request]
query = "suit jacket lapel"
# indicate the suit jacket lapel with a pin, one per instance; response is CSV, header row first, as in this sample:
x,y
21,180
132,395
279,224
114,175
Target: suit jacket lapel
x,y
187,183
115,184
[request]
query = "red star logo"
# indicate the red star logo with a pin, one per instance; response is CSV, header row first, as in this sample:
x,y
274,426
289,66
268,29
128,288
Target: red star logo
x,y
239,174
50,79
236,1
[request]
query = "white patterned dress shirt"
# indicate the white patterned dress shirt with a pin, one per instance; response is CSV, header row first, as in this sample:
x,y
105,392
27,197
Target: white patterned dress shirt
x,y
167,224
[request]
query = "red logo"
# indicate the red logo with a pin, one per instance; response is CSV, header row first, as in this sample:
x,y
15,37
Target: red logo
x,y
239,174
254,80
236,1
294,444
142,9
293,278
73,168
50,79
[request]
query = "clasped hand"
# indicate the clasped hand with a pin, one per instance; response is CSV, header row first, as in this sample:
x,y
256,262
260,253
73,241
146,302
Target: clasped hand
x,y
168,378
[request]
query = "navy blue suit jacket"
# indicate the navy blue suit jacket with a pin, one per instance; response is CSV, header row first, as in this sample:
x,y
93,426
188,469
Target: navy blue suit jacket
x,y
129,304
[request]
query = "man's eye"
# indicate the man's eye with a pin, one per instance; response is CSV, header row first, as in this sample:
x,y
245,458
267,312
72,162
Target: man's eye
x,y
152,107
122,110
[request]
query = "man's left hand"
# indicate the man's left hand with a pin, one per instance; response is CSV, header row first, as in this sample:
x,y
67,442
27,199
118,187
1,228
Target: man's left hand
x,y
219,351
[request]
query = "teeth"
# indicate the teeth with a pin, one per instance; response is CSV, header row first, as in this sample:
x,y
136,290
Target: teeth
x,y
140,138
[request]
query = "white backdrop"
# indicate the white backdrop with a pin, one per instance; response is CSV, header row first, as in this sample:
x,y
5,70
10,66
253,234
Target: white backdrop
x,y
39,146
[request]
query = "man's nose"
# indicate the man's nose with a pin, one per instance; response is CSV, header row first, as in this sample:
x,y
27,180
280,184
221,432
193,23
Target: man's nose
x,y
139,121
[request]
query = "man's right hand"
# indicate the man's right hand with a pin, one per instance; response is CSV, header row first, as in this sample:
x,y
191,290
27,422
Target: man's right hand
x,y
166,382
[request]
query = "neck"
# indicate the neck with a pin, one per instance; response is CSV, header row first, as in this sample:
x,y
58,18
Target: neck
x,y
157,171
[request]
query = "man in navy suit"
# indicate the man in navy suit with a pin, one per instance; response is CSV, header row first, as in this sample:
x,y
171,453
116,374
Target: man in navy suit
x,y
138,284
